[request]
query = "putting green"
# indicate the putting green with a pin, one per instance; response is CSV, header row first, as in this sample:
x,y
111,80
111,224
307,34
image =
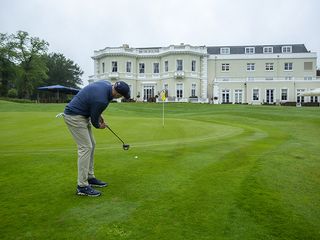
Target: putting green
x,y
151,132
138,132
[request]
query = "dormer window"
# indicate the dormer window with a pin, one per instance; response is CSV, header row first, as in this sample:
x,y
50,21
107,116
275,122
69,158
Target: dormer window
x,y
267,49
249,50
224,50
287,49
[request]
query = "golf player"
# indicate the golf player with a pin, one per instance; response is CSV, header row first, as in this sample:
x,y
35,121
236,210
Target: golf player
x,y
85,110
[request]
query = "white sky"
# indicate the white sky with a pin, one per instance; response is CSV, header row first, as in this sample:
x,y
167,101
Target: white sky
x,y
76,28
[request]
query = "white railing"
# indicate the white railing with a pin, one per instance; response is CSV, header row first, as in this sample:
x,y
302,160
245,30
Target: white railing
x,y
115,51
179,74
160,76
114,75
150,51
257,79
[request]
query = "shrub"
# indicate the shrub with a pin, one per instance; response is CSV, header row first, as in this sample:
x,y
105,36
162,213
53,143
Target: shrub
x,y
310,104
12,93
17,100
293,104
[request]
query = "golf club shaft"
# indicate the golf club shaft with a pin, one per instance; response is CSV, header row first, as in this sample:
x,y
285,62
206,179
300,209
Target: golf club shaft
x,y
115,134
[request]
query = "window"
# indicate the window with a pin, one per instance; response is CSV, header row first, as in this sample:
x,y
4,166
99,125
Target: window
x,y
141,67
103,67
193,65
225,96
284,94
225,67
114,66
179,65
238,96
314,99
128,67
308,78
250,66
308,66
166,66
179,90
148,92
193,90
269,66
269,95
255,94
267,49
287,49
155,67
249,50
224,50
288,66
287,78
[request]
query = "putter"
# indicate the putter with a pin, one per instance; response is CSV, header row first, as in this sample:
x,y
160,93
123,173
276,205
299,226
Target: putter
x,y
124,146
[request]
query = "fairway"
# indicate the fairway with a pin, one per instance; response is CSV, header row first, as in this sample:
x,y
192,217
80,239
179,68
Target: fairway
x,y
212,172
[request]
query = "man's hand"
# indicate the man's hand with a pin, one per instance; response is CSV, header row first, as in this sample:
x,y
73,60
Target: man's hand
x,y
103,125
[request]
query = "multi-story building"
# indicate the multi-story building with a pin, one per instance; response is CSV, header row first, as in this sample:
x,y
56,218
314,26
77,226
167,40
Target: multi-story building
x,y
229,74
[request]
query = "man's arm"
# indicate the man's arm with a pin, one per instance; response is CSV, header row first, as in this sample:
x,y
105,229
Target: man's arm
x,y
95,115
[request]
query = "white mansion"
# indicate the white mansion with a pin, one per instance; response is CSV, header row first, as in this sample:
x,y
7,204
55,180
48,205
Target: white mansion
x,y
226,74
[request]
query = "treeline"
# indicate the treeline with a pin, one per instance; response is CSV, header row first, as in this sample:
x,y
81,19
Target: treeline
x,y
25,64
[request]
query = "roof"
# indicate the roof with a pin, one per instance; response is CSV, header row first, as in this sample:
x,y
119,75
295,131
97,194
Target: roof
x,y
296,48
59,88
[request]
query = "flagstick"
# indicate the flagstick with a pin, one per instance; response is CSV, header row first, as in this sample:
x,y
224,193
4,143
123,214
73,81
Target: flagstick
x,y
163,114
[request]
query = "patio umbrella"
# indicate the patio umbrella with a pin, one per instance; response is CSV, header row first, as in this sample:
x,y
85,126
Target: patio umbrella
x,y
314,92
59,89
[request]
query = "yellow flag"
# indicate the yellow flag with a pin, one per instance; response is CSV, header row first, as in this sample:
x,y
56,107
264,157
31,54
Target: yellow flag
x,y
163,95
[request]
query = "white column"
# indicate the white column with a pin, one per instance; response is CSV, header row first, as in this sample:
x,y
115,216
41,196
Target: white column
x,y
204,77
216,93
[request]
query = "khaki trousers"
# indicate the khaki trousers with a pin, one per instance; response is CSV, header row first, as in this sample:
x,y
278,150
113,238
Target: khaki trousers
x,y
80,128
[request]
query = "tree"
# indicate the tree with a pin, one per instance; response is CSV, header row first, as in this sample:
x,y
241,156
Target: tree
x,y
62,71
7,66
25,65
32,70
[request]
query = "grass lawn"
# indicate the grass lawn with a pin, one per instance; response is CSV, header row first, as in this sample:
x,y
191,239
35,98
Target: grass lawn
x,y
213,172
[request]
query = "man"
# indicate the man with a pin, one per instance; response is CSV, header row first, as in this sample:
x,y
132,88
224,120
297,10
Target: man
x,y
86,109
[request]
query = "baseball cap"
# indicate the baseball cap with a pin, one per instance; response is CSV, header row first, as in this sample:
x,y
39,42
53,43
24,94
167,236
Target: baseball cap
x,y
122,88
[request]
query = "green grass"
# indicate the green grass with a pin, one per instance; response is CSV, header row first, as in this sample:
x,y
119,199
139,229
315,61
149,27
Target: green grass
x,y
213,172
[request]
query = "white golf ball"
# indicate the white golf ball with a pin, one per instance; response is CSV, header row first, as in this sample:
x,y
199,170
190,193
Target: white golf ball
x,y
135,156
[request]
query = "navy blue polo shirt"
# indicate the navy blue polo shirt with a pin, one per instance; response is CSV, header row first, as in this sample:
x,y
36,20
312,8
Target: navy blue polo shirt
x,y
91,101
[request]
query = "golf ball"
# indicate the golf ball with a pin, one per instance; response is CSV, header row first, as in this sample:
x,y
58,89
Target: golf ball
x,y
135,156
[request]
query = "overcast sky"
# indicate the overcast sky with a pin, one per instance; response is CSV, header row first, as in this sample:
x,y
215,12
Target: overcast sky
x,y
76,28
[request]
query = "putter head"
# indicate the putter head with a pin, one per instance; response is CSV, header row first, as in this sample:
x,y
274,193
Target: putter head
x,y
125,146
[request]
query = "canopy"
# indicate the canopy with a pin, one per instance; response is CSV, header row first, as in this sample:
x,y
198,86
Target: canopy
x,y
314,92
59,89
